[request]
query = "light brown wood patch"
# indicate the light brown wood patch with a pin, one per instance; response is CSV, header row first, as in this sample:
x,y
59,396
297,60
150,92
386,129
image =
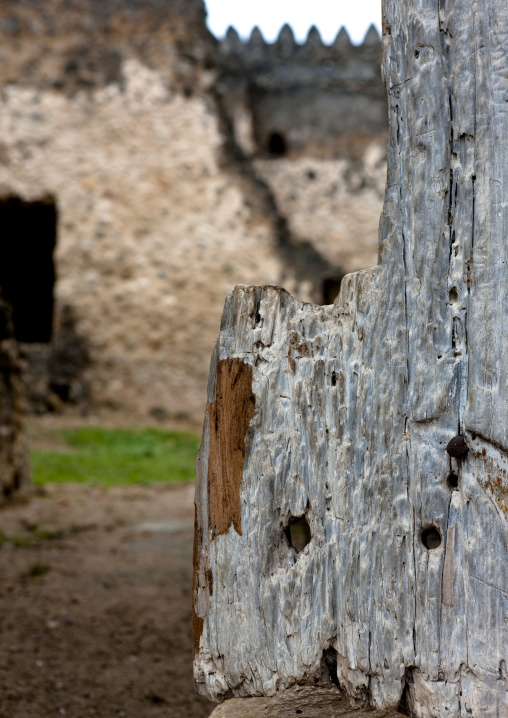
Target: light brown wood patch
x,y
230,416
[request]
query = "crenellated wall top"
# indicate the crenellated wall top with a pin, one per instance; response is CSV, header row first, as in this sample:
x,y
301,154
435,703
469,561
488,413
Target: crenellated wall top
x,y
257,51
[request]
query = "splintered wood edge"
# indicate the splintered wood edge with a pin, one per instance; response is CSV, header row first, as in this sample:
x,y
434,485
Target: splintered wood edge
x,y
227,422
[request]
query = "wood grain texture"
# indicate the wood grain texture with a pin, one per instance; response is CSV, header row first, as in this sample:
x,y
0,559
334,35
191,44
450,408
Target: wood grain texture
x,y
301,700
356,404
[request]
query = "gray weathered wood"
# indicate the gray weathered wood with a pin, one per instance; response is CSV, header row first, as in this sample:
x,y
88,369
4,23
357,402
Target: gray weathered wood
x,y
346,412
301,700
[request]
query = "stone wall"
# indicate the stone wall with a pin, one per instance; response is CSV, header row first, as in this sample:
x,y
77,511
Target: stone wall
x,y
72,45
152,233
292,99
313,119
112,111
14,467
333,203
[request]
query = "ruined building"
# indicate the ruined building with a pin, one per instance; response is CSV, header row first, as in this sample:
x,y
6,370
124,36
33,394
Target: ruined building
x,y
146,168
313,120
294,100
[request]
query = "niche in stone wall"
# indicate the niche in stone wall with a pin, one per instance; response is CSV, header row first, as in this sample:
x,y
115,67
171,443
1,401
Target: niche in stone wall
x,y
277,144
27,271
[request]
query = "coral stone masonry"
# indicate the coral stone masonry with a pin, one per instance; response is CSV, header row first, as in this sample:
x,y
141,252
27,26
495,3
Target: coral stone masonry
x,y
124,121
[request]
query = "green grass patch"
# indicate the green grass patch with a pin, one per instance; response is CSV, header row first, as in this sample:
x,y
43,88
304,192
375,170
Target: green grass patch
x,y
112,457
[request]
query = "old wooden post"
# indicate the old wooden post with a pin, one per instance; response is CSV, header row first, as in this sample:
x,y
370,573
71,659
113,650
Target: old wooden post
x,y
382,420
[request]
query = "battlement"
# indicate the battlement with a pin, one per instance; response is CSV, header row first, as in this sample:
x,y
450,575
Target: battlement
x,y
303,97
256,51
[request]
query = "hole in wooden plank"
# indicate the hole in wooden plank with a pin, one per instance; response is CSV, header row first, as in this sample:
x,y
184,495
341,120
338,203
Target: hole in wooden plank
x,y
406,702
453,481
298,533
431,538
453,295
329,666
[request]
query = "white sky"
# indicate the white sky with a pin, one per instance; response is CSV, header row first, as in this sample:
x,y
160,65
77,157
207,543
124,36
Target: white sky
x,y
270,15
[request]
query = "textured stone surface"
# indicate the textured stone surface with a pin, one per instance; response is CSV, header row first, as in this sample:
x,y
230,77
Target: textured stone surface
x,y
110,109
335,204
152,231
14,466
402,591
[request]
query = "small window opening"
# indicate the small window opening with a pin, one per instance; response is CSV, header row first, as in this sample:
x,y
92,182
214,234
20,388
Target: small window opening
x,y
431,538
298,533
27,272
277,144
331,287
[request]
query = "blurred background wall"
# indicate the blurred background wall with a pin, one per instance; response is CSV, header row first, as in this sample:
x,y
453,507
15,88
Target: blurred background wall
x,y
146,168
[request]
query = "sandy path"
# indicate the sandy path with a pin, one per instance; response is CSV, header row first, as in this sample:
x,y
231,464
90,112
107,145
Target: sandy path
x,y
95,596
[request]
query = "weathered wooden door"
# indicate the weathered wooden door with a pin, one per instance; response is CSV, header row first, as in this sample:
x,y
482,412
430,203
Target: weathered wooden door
x,y
381,420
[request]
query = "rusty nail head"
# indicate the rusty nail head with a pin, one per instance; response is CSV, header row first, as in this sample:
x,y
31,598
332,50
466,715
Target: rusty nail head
x,y
457,447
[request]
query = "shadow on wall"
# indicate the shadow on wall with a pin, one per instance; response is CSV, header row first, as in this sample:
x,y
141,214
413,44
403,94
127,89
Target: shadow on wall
x,y
325,107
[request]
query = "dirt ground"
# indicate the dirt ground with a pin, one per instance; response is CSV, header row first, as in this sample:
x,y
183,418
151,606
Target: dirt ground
x,y
95,596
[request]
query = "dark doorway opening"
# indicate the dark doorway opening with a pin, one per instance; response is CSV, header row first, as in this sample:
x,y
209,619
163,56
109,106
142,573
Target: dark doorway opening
x,y
27,272
276,144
